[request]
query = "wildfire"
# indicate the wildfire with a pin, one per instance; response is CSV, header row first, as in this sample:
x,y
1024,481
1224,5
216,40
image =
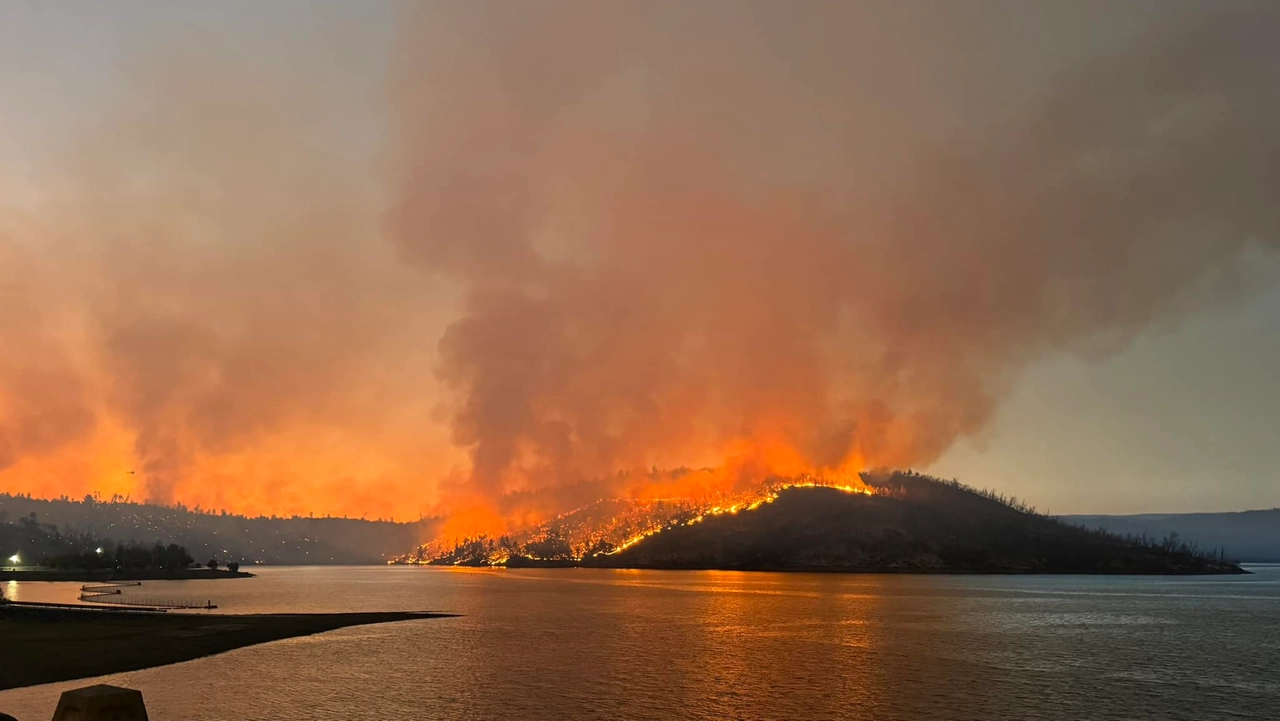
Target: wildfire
x,y
770,495
610,526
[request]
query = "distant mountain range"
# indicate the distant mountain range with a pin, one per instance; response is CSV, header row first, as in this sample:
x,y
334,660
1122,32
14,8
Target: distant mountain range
x,y
228,537
1246,536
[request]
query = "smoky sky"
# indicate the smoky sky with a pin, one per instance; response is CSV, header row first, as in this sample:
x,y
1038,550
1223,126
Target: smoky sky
x,y
546,242
666,244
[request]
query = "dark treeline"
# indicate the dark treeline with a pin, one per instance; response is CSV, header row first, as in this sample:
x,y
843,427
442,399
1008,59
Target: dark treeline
x,y
1169,543
42,544
124,557
218,534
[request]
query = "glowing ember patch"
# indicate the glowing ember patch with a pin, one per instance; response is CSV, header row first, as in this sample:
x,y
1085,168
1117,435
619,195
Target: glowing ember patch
x,y
610,526
770,496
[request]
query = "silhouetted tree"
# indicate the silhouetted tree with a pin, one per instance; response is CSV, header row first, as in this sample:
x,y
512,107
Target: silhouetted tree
x,y
176,557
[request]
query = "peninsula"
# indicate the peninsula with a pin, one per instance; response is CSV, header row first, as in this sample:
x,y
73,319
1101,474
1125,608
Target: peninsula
x,y
44,644
899,522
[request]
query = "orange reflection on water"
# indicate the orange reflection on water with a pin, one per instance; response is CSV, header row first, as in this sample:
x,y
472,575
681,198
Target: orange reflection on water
x,y
805,624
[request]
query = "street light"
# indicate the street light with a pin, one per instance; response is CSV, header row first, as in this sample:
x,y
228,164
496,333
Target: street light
x,y
99,550
15,559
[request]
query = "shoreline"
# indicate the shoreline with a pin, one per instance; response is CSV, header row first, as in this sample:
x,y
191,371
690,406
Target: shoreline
x,y
47,644
54,575
1233,570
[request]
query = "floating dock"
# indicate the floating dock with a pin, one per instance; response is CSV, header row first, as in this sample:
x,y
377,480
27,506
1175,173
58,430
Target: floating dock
x,y
113,594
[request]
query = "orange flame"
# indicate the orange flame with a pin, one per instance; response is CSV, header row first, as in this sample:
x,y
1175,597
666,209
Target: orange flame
x,y
645,505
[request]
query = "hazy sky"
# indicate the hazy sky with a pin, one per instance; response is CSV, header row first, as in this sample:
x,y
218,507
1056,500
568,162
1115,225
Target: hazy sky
x,y
371,257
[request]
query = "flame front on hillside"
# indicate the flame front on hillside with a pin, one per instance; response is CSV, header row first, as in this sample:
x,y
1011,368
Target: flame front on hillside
x,y
612,525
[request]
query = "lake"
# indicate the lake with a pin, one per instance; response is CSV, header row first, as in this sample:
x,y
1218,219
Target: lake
x,y
603,644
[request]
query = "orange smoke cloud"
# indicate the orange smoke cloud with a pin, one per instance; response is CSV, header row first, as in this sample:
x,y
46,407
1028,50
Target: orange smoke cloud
x,y
196,307
678,243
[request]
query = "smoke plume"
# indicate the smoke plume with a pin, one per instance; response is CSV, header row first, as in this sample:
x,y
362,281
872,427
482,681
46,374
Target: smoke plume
x,y
197,306
718,232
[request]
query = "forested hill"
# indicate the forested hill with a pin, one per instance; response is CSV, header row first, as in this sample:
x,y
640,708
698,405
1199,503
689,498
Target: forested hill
x,y
288,541
914,524
1248,536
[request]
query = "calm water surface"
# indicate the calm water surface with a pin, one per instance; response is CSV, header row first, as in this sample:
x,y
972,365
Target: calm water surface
x,y
596,644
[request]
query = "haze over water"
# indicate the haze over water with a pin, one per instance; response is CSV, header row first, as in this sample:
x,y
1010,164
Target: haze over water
x,y
592,644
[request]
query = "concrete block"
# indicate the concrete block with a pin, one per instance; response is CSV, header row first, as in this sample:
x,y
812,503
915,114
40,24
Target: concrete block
x,y
101,703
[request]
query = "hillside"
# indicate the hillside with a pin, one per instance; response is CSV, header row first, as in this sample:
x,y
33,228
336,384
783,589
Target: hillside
x,y
33,542
916,524
1250,536
284,541
32,551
